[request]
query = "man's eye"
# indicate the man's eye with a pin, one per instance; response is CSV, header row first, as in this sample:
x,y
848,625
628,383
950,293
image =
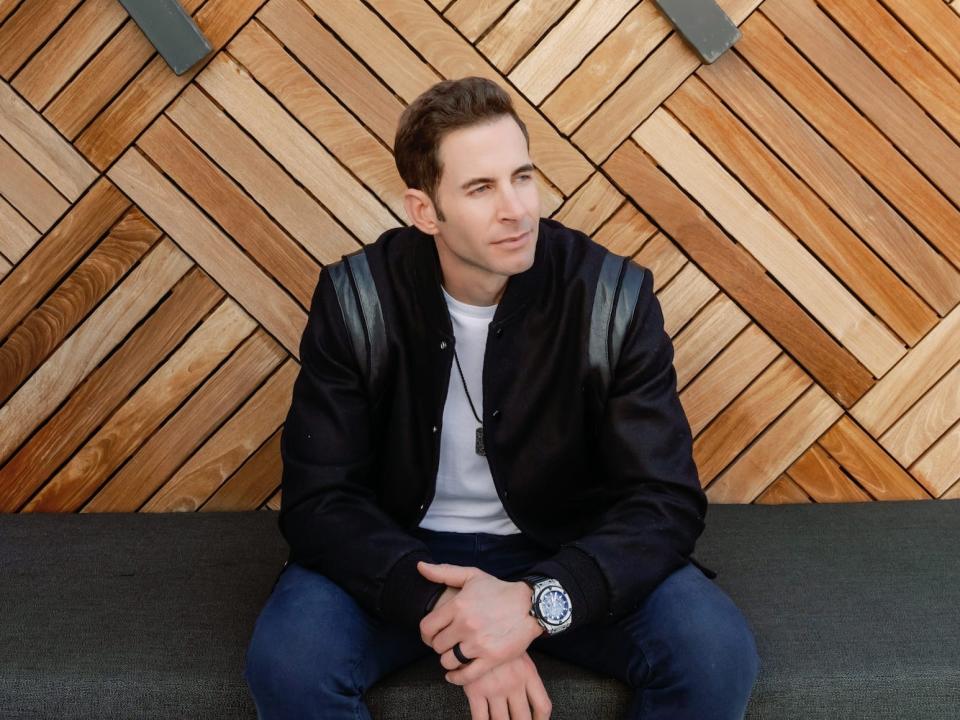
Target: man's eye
x,y
479,189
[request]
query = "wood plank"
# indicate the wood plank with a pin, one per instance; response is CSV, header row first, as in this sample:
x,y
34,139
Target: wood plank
x,y
727,376
869,88
453,56
211,249
741,277
783,491
894,49
59,251
253,483
818,164
68,50
929,418
156,85
759,405
135,420
474,17
28,191
42,146
223,200
663,258
80,353
611,62
874,470
822,479
17,236
520,29
866,149
261,176
107,387
776,449
374,41
207,409
799,208
124,55
705,336
320,113
232,444
932,22
648,86
684,297
937,470
781,254
27,29
42,331
302,156
565,45
589,207
625,232
916,373
335,66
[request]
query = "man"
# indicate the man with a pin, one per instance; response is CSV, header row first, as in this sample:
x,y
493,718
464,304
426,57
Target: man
x,y
487,472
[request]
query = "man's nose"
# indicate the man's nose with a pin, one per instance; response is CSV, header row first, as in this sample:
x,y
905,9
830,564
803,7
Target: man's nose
x,y
510,205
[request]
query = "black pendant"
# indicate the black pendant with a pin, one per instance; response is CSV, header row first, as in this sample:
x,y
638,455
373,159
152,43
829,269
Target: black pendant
x,y
481,450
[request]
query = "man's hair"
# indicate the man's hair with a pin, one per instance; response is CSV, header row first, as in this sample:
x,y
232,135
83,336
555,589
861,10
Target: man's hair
x,y
446,106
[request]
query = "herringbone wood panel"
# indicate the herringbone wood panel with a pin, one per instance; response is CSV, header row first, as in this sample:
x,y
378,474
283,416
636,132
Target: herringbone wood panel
x,y
161,235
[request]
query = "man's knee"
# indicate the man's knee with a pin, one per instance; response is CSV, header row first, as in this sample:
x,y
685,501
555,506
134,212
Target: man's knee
x,y
304,644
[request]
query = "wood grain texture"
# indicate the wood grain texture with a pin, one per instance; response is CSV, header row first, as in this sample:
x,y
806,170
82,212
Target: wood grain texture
x,y
797,202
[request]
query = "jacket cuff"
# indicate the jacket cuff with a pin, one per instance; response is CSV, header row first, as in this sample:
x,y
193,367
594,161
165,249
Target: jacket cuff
x,y
583,580
405,592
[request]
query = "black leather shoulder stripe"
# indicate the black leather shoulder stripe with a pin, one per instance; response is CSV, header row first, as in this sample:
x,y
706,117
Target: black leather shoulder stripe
x,y
626,304
372,314
603,300
350,308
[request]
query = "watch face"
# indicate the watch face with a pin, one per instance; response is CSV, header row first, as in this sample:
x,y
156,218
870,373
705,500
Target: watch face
x,y
554,606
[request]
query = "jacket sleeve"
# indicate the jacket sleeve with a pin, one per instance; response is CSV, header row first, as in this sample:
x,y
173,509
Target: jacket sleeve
x,y
328,512
645,450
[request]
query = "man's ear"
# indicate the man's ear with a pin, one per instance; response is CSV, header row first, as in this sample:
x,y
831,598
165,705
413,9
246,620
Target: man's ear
x,y
420,211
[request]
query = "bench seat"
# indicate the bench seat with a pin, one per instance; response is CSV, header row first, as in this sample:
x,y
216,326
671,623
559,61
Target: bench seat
x,y
117,615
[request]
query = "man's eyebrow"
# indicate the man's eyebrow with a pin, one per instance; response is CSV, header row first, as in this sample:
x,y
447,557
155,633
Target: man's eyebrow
x,y
473,181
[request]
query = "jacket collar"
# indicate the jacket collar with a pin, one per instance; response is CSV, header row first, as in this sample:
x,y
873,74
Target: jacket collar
x,y
520,291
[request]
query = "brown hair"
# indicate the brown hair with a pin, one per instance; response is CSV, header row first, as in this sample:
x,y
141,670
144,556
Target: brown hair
x,y
446,106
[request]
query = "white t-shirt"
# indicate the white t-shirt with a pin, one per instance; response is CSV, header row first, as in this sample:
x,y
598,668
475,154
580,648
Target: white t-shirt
x,y
466,499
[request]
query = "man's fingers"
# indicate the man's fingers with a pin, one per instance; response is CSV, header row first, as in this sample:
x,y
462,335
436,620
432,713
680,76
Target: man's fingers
x,y
452,575
478,707
498,708
539,700
435,621
470,672
519,707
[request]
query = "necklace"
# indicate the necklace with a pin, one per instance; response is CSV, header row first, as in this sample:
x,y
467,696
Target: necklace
x,y
481,450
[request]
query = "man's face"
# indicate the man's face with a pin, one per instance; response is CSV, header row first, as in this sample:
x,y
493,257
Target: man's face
x,y
487,193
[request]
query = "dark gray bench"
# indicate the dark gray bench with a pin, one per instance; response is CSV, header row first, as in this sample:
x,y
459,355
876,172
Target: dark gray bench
x,y
854,607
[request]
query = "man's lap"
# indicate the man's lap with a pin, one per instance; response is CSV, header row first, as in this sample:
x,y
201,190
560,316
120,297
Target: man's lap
x,y
685,627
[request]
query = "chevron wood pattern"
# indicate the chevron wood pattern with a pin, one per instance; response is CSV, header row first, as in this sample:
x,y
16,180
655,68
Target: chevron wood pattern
x,y
160,236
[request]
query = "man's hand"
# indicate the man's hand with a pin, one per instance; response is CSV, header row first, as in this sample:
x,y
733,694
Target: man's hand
x,y
509,692
489,617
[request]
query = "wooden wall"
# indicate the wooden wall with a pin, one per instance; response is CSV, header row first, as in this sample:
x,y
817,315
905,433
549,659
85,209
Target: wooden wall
x,y
161,235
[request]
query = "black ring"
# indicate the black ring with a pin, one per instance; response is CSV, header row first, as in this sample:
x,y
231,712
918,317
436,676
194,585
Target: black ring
x,y
460,655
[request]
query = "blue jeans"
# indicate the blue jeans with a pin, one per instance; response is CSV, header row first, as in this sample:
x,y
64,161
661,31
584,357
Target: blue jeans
x,y
686,652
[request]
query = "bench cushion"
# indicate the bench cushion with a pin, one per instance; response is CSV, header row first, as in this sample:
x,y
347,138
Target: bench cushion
x,y
149,615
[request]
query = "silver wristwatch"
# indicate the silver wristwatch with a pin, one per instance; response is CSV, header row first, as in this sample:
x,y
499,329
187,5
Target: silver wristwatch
x,y
550,603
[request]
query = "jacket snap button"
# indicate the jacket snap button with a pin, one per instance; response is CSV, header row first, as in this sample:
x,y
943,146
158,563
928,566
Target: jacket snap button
x,y
443,344
422,505
434,428
495,413
499,332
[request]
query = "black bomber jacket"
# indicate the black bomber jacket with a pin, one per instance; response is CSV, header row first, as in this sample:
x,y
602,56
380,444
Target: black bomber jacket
x,y
612,492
